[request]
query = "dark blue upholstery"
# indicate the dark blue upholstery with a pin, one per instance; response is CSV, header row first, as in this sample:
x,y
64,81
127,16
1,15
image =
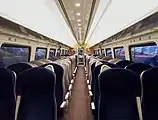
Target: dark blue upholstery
x,y
111,65
92,69
37,89
138,68
59,93
117,101
150,94
124,63
7,96
19,67
95,88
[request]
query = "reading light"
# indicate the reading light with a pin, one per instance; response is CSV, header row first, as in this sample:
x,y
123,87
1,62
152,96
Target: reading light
x,y
78,14
79,20
77,4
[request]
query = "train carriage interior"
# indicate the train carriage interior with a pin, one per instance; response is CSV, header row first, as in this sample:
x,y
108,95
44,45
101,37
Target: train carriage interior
x,y
79,60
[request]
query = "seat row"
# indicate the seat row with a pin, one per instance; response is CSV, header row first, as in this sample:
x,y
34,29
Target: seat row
x,y
35,91
125,90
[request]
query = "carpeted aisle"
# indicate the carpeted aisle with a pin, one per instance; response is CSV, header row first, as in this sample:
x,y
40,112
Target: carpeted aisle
x,y
79,106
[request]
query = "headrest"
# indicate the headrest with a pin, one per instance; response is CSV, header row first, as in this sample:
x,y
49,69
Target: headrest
x,y
124,63
36,80
7,82
112,65
138,68
50,67
118,81
149,79
104,67
114,60
19,67
98,63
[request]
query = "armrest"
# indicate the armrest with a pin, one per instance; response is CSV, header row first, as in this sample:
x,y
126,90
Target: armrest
x,y
72,81
70,87
139,108
89,87
92,106
88,81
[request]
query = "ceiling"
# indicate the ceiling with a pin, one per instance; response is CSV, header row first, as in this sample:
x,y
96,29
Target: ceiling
x,y
79,15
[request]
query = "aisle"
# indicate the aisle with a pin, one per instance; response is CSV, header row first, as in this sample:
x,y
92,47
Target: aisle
x,y
79,107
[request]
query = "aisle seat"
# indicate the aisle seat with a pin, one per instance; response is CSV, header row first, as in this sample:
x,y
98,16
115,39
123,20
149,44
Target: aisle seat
x,y
7,93
118,91
35,90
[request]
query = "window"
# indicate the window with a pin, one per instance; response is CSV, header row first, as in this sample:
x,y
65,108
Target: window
x,y
52,53
145,54
108,52
11,54
98,51
58,52
40,53
119,53
102,52
62,52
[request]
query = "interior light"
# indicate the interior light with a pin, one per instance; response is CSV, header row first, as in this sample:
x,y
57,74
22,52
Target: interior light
x,y
78,14
79,20
77,4
79,28
79,24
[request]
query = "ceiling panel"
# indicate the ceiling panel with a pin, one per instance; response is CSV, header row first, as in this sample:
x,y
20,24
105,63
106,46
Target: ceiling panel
x,y
79,15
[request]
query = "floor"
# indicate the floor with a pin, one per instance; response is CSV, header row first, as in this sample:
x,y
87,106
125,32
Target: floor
x,y
79,106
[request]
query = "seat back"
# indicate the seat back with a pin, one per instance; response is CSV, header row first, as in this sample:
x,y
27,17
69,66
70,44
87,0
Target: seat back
x,y
19,67
111,65
59,92
7,99
36,86
103,68
149,80
138,68
124,63
95,86
114,60
50,67
117,99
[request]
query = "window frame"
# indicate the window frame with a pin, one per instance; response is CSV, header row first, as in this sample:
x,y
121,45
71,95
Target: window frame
x,y
106,49
139,45
18,46
41,48
52,49
118,48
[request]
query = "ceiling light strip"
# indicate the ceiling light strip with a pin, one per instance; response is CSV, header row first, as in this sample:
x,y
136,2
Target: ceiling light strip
x,y
109,2
66,15
89,20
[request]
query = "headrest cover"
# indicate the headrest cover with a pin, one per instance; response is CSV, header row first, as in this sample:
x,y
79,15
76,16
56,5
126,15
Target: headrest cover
x,y
98,63
50,67
118,81
104,67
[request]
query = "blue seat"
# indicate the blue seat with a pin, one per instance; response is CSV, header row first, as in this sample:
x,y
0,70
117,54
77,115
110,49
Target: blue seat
x,y
7,99
138,68
19,67
92,69
95,88
36,86
118,89
150,97
111,65
124,63
59,93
